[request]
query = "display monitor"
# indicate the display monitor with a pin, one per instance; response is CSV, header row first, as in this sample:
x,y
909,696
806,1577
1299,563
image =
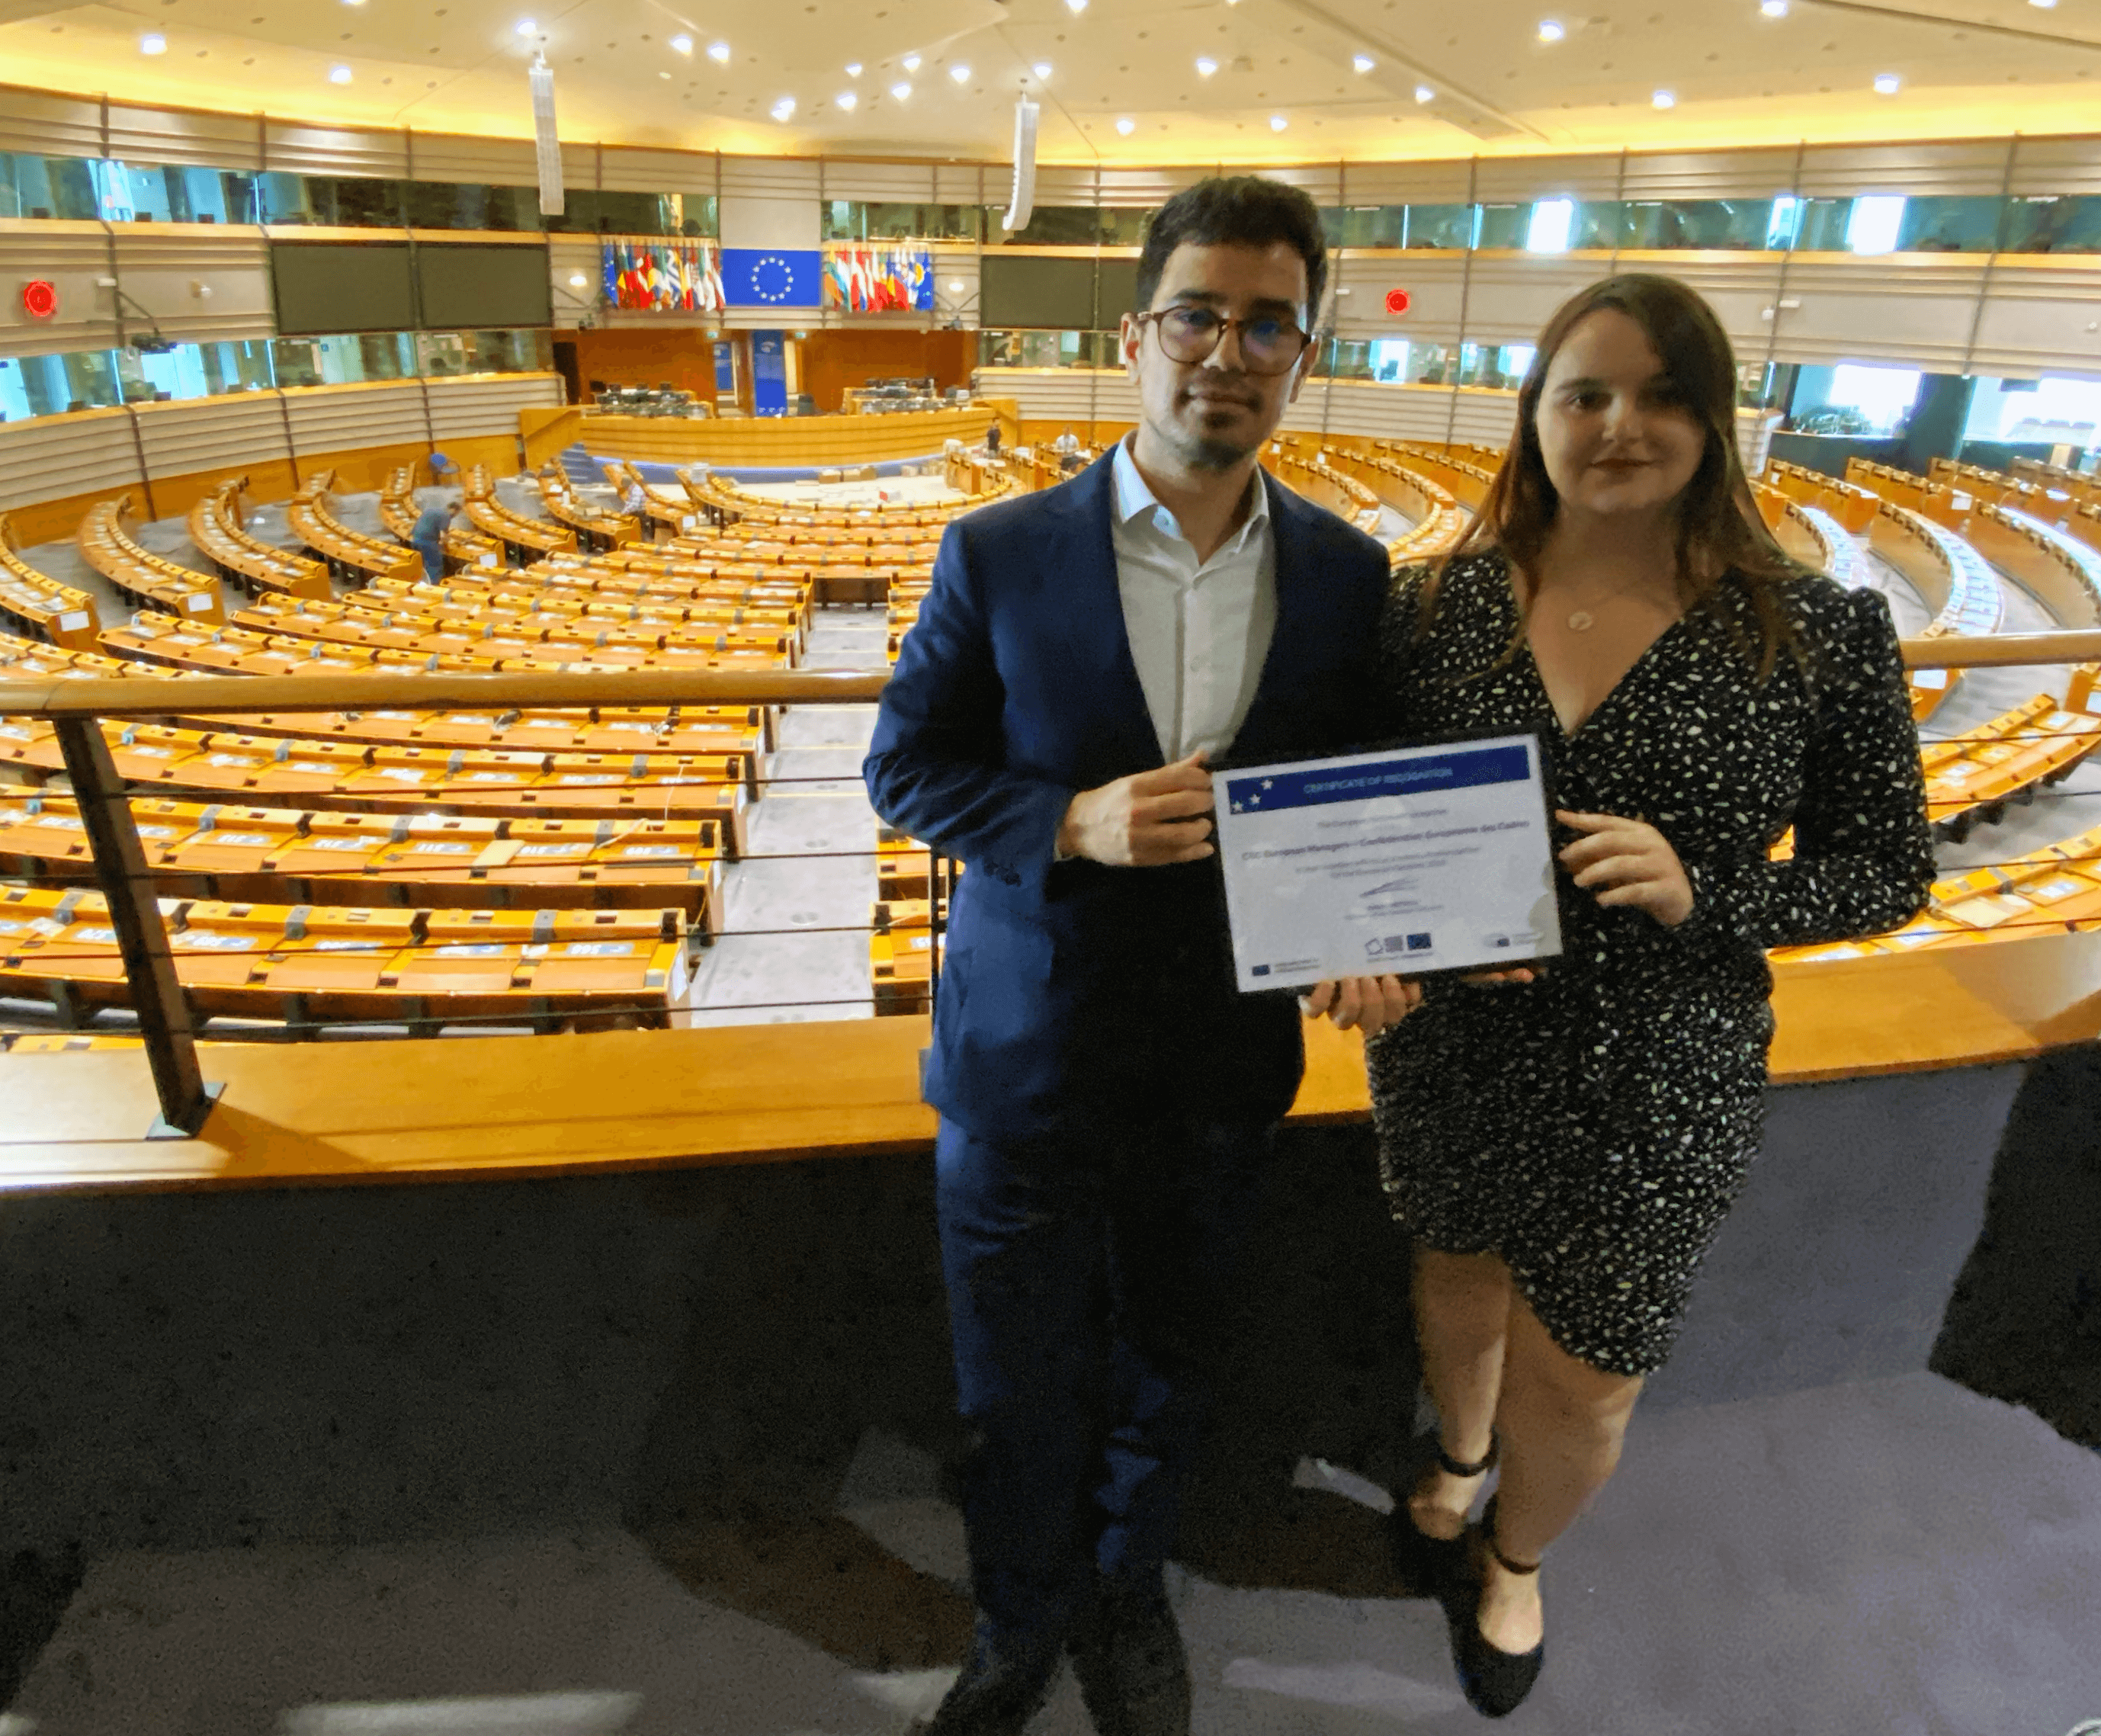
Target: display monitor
x,y
467,286
324,287
1030,292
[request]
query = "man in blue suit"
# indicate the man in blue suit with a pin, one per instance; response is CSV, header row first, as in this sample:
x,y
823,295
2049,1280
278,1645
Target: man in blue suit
x,y
1107,1098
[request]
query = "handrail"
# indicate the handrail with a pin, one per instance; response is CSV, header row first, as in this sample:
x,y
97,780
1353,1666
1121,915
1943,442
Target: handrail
x,y
157,696
443,690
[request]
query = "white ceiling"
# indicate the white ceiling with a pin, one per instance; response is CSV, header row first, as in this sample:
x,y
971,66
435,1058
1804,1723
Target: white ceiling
x,y
1967,68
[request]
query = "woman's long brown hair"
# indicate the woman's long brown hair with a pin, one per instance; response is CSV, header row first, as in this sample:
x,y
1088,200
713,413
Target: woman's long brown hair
x,y
1721,538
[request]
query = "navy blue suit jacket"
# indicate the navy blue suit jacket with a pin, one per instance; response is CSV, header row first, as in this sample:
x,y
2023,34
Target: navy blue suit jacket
x,y
1074,994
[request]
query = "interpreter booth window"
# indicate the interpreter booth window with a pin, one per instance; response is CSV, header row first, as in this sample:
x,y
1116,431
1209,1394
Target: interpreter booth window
x,y
1450,228
863,220
1123,227
1719,225
1366,226
2072,224
466,205
196,370
132,193
54,385
2052,411
1058,226
1048,349
60,187
344,360
1499,367
1855,398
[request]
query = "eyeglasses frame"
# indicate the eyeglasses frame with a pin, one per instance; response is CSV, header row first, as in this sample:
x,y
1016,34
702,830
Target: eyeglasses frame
x,y
1226,322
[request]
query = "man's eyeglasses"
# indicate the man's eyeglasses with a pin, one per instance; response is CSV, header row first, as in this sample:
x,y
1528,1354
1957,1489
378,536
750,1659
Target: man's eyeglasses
x,y
1268,345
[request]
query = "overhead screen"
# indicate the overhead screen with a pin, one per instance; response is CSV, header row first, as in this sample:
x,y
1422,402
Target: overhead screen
x,y
331,286
323,287
474,286
1053,294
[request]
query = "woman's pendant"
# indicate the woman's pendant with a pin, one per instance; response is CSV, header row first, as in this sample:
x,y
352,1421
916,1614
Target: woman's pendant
x,y
1581,622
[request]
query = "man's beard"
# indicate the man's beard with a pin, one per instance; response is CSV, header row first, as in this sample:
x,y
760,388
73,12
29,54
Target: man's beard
x,y
1206,451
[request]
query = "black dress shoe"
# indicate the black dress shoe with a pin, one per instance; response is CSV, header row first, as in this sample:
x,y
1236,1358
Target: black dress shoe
x,y
1494,1681
1428,1566
1126,1650
996,1695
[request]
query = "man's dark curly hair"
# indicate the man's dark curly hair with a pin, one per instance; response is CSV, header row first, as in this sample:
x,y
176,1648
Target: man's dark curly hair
x,y
1242,211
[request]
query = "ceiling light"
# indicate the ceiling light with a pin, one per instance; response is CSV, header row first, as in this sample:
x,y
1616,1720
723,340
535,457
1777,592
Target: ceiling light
x,y
1205,66
719,52
960,73
1550,30
955,285
1363,63
1886,84
526,27
900,90
1664,99
338,75
152,43
853,68
785,109
578,280
2045,4
1773,8
1076,6
1041,69
1424,94
1277,123
682,44
846,99
912,63
1125,125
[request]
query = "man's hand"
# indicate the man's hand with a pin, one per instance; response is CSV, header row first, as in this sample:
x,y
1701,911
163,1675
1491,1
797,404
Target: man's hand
x,y
1628,861
1144,821
1365,1003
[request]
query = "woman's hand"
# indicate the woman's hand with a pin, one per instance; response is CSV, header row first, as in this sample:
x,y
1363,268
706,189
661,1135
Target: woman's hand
x,y
1365,1003
1629,862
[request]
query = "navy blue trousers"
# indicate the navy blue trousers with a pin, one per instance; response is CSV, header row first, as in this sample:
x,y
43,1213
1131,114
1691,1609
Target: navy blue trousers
x,y
1083,1277
434,561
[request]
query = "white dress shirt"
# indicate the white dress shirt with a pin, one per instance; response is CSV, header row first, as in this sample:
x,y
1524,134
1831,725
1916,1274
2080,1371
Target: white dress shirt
x,y
1199,631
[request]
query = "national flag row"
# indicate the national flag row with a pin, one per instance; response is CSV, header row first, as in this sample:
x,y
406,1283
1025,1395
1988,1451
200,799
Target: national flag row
x,y
666,276
877,280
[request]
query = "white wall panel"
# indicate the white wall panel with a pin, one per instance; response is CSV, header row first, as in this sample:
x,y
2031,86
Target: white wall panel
x,y
1373,183
51,457
182,136
1512,293
336,419
2040,320
1913,308
227,434
2058,166
1709,174
1140,189
973,183
751,220
1433,282
486,404
627,169
770,178
1969,167
453,157
299,148
71,257
164,269
1504,180
883,182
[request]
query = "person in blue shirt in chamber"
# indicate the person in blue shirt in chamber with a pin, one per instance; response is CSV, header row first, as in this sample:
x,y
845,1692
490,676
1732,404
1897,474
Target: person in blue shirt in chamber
x,y
428,537
1107,1097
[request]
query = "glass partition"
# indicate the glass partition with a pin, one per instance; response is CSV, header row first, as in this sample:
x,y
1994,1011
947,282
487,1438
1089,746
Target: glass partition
x,y
52,385
858,220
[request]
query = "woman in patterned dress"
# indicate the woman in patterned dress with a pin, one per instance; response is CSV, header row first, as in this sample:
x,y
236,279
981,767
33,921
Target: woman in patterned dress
x,y
1562,1144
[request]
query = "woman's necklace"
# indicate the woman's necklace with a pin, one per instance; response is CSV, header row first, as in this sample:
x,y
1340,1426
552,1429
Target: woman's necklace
x,y
1582,620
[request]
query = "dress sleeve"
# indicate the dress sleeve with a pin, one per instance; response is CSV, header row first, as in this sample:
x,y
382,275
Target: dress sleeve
x,y
1863,860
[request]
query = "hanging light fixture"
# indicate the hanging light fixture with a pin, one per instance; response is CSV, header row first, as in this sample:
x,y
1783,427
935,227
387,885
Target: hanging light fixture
x,y
547,146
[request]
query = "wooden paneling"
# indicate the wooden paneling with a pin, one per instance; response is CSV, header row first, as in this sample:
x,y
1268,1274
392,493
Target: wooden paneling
x,y
379,1112
787,440
679,356
834,362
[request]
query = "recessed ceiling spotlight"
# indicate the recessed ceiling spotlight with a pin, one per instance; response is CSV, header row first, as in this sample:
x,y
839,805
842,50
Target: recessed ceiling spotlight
x,y
338,75
682,44
152,43
1664,99
1205,66
900,90
2045,4
1424,94
853,68
960,73
719,52
911,63
353,3
1076,6
526,27
1125,125
785,109
661,74
1886,84
1277,123
1363,63
1552,30
846,99
1041,69
1773,8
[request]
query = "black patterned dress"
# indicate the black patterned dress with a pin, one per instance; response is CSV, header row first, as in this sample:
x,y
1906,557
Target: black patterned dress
x,y
1594,1127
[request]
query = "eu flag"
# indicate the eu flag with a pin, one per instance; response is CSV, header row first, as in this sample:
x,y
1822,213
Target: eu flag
x,y
773,277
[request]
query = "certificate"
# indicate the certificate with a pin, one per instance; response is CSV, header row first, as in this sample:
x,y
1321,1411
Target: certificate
x,y
1397,863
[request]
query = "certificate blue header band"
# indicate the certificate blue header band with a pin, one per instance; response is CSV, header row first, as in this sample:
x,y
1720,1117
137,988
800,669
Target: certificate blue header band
x,y
1460,769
